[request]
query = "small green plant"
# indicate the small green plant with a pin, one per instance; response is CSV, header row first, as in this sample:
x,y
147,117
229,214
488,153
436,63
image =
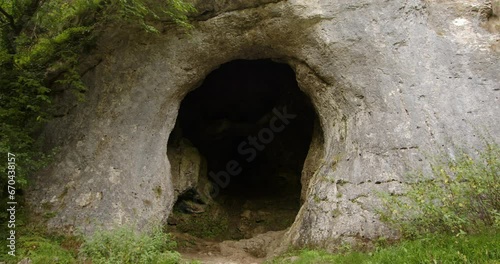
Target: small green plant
x,y
34,242
462,196
43,250
124,245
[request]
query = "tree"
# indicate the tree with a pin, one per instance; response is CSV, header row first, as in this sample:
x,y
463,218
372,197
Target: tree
x,y
41,42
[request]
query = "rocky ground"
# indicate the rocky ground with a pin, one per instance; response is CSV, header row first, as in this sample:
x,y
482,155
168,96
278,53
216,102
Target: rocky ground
x,y
230,251
234,230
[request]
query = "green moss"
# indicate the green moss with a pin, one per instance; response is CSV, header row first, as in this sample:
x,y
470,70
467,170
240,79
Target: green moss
x,y
49,215
42,250
35,242
158,191
336,212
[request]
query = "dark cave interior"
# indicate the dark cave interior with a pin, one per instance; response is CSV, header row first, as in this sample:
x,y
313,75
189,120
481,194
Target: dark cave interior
x,y
253,125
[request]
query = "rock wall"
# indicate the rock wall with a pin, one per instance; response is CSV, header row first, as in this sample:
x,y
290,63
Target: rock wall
x,y
393,82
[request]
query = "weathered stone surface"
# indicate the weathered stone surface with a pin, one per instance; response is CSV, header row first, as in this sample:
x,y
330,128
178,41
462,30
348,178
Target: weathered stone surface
x,y
186,166
258,246
393,82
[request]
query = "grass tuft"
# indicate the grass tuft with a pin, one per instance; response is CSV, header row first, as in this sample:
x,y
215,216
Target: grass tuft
x,y
124,246
434,248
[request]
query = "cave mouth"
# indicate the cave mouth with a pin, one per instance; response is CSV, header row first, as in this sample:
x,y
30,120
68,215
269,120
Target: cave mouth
x,y
252,127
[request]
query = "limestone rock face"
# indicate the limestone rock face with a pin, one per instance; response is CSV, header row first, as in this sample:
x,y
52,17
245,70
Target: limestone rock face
x,y
187,165
392,82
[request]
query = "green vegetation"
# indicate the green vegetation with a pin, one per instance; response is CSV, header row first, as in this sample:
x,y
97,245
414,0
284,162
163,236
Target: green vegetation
x,y
41,43
32,241
462,197
206,225
452,216
481,248
43,250
124,246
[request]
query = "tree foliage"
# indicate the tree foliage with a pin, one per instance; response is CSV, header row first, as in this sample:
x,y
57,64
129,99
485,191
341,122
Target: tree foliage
x,y
41,42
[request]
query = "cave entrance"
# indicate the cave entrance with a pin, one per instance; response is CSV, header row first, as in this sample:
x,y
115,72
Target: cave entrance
x,y
247,131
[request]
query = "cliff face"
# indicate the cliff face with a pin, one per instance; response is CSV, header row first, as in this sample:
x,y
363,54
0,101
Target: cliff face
x,y
392,83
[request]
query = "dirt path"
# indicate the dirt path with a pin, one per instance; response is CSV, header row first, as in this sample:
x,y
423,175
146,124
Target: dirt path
x,y
246,251
217,253
219,259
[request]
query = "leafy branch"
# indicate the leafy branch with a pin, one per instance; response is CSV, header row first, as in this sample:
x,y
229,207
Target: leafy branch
x,y
7,18
41,42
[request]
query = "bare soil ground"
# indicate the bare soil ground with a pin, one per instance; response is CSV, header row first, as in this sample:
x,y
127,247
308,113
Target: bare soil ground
x,y
237,228
245,251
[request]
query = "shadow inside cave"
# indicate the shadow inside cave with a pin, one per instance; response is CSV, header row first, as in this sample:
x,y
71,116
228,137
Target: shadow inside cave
x,y
252,127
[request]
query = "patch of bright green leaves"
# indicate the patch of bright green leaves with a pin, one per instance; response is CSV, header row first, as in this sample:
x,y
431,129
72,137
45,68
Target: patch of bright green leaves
x,y
434,248
121,246
125,246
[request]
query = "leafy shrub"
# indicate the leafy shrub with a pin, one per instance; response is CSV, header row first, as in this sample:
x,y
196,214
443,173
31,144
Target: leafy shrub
x,y
123,246
462,196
